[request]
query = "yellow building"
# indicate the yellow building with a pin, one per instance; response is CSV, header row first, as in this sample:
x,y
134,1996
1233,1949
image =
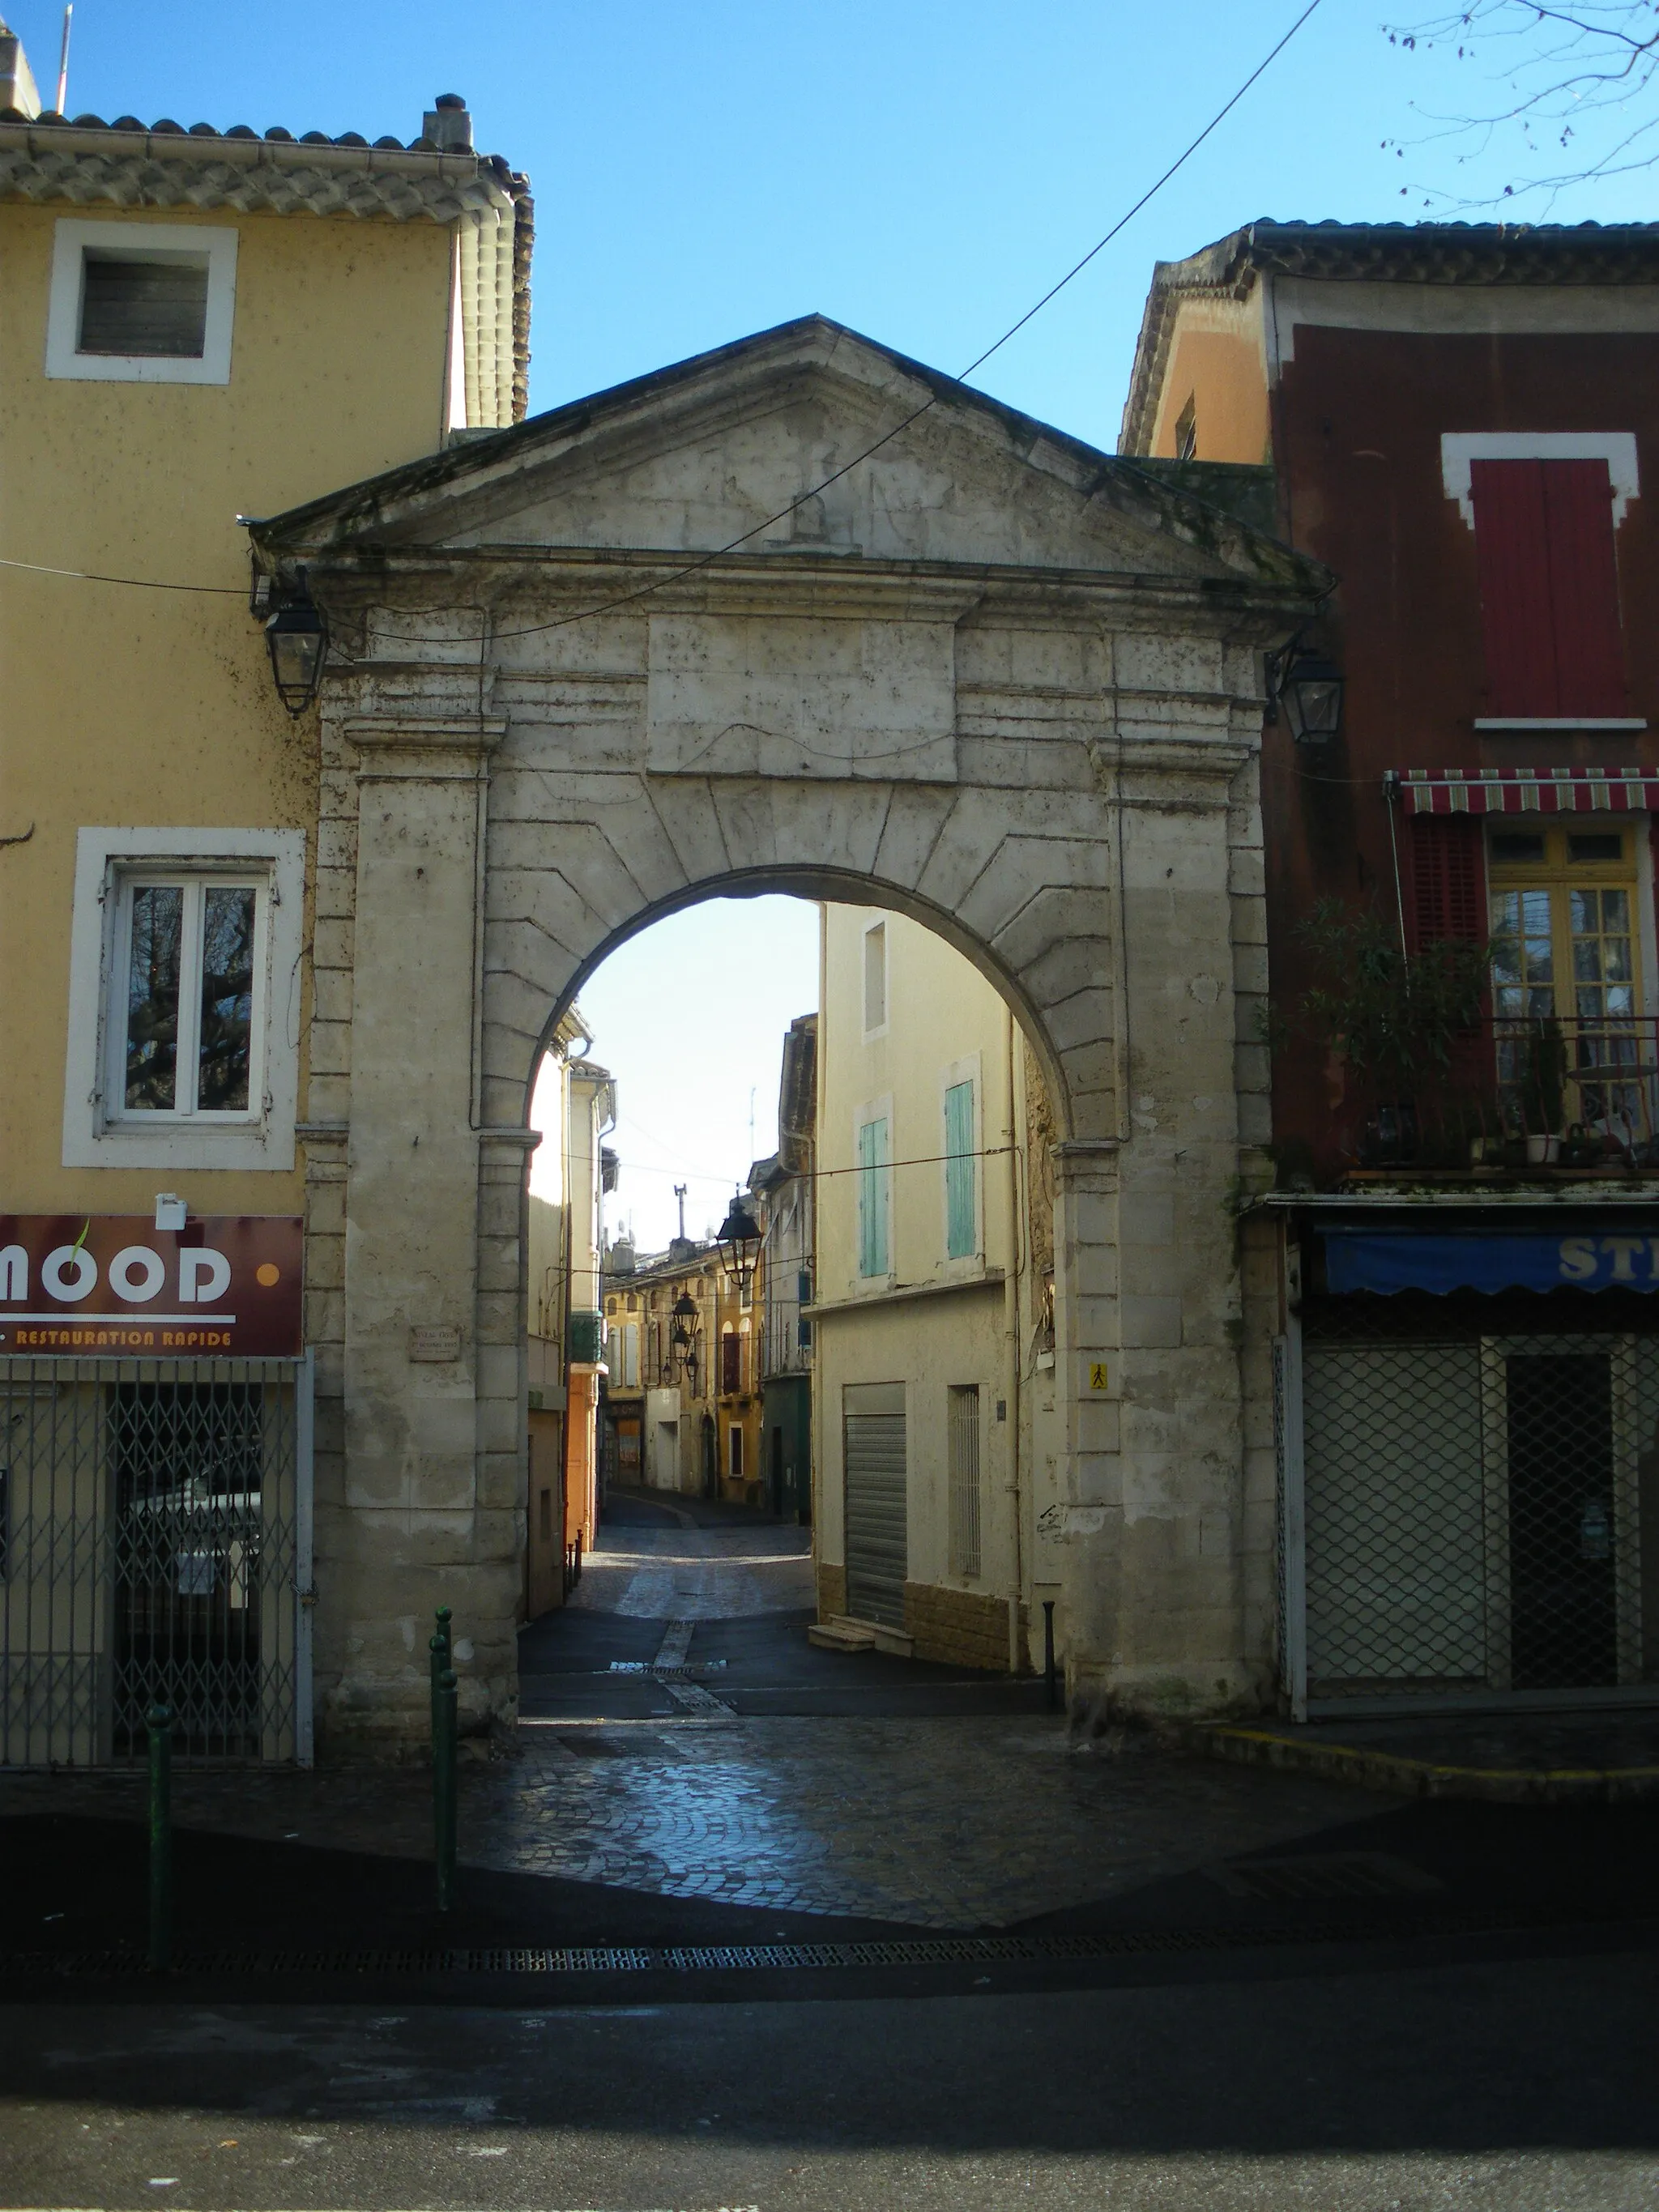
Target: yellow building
x,y
198,326
683,1393
933,1394
574,1108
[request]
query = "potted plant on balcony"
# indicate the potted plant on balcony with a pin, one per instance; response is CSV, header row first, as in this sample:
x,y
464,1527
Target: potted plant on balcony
x,y
1402,1027
1543,1092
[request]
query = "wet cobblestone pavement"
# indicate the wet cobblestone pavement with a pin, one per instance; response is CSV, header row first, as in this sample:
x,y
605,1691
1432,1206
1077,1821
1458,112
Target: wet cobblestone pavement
x,y
980,1813
946,1824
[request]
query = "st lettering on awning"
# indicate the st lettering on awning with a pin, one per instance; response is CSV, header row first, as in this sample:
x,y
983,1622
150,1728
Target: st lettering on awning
x,y
1524,790
1378,1260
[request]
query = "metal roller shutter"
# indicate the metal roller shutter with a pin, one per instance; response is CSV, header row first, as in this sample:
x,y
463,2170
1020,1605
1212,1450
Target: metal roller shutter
x,y
872,1417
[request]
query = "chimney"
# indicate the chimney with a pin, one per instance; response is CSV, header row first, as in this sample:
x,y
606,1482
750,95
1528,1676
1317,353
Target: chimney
x,y
16,78
447,126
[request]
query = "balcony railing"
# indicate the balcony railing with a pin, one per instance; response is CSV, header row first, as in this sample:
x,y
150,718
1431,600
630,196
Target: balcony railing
x,y
1515,1095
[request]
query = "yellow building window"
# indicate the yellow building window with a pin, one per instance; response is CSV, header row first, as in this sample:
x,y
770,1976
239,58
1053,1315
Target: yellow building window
x,y
1566,976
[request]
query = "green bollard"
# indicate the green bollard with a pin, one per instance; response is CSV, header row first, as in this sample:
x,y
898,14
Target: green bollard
x,y
159,1720
445,1784
441,1649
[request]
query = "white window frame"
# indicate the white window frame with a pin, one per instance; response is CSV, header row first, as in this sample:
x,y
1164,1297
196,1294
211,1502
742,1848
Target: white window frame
x,y
195,882
870,1030
98,1129
1459,449
73,238
967,1070
874,1109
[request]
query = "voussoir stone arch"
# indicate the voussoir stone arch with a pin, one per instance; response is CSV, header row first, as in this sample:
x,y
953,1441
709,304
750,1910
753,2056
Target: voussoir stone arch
x,y
666,645
1046,950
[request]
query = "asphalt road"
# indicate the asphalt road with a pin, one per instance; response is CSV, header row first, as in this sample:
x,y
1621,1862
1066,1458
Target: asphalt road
x,y
1486,2039
1498,2086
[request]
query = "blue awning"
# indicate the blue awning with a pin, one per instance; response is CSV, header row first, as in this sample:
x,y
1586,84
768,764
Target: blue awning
x,y
1494,1260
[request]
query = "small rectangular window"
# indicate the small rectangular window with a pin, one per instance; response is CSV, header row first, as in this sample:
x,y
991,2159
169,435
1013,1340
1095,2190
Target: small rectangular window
x,y
735,1452
188,972
961,1228
875,977
1608,846
872,1197
133,301
1515,850
963,1443
143,307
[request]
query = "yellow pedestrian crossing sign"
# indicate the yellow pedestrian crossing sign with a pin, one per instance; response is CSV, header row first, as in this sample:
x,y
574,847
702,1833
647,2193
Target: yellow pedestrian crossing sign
x,y
1097,1375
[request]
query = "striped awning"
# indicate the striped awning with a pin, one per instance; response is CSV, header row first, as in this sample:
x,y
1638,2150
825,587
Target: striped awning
x,y
1525,790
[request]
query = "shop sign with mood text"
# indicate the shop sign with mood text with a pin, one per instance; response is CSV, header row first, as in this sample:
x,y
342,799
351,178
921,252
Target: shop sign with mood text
x,y
224,1284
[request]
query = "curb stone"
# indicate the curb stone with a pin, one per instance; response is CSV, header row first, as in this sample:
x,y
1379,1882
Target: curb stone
x,y
1401,1776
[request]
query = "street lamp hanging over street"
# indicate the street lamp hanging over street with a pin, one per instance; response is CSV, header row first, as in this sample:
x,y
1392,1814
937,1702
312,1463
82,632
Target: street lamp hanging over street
x,y
739,1239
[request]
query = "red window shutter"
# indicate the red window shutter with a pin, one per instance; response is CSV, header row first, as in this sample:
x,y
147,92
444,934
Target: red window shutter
x,y
1511,541
1447,894
1549,588
1589,653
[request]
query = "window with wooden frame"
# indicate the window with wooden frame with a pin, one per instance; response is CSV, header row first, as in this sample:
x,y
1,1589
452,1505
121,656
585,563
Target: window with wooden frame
x,y
731,1362
188,1014
1566,961
874,1194
960,1163
875,980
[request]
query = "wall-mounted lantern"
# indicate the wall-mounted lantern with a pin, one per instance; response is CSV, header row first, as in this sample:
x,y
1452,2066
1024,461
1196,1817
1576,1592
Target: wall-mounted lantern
x,y
1308,685
297,638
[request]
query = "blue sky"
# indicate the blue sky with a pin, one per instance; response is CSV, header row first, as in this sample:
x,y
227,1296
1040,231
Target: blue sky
x,y
920,169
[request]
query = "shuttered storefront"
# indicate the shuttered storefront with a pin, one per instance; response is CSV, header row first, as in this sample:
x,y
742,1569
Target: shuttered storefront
x,y
1470,1501
873,1449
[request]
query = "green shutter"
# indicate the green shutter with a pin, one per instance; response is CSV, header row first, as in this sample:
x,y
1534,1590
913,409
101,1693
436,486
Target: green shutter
x,y
872,1198
961,1238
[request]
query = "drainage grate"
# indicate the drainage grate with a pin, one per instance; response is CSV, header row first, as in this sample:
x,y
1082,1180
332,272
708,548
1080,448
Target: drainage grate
x,y
689,1958
1314,1877
692,1667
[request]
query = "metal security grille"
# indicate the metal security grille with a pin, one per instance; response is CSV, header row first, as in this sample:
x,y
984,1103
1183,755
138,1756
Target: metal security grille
x,y
878,1551
154,1547
964,1495
1469,1514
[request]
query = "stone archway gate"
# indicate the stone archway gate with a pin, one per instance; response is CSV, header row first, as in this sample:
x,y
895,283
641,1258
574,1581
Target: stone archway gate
x,y
989,678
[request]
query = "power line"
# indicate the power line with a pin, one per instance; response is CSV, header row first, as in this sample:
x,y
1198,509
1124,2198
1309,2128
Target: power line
x,y
705,560
132,583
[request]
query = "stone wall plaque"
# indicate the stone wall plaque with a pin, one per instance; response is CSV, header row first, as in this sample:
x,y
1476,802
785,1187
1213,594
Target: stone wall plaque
x,y
435,1343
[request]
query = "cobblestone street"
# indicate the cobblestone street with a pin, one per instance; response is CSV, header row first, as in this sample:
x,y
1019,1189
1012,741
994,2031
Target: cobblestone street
x,y
710,1752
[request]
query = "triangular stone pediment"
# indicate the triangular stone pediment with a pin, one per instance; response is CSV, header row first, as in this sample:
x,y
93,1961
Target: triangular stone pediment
x,y
768,441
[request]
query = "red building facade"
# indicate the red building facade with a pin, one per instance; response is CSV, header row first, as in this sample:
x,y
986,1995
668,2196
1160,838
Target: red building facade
x,y
1463,423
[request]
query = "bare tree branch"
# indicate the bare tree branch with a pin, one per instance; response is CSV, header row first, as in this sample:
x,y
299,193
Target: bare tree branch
x,y
1584,76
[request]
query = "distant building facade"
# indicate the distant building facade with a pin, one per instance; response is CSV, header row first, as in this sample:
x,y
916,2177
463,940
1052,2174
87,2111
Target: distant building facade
x,y
684,1395
936,1447
565,1363
785,1189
